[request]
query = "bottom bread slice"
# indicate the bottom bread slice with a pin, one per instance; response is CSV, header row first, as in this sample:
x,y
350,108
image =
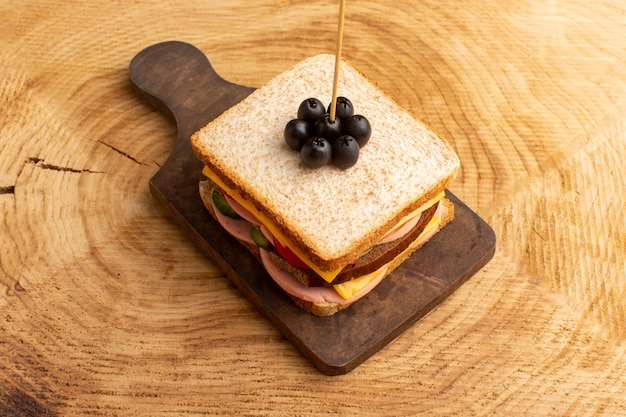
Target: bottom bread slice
x,y
327,308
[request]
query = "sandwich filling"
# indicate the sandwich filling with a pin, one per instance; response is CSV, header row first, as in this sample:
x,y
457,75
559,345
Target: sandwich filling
x,y
340,293
284,242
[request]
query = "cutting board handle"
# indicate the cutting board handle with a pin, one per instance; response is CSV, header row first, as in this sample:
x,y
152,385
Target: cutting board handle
x,y
178,79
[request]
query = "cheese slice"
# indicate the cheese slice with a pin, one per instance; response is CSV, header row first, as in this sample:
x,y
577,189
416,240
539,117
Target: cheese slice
x,y
328,276
348,289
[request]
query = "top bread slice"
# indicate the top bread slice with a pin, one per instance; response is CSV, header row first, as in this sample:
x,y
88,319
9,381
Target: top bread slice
x,y
331,215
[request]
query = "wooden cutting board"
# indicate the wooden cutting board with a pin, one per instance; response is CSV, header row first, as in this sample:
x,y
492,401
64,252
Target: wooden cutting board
x,y
178,79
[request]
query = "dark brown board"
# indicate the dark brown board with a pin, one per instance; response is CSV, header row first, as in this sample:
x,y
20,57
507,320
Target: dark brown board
x,y
178,79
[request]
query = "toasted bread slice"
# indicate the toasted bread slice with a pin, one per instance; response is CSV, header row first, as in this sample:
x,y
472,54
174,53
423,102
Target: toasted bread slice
x,y
329,214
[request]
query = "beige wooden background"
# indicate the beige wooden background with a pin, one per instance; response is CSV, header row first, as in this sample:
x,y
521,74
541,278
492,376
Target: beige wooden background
x,y
107,309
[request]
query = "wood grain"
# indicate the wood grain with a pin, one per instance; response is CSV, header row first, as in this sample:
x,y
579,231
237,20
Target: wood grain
x,y
107,309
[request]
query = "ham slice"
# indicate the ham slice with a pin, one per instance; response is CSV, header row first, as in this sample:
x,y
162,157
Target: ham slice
x,y
400,231
238,228
241,210
312,294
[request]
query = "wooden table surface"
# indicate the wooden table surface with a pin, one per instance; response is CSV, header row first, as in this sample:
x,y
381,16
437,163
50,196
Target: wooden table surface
x,y
107,308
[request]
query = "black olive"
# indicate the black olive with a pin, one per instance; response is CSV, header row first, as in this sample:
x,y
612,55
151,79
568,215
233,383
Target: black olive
x,y
359,128
310,110
344,108
297,132
316,152
326,129
345,152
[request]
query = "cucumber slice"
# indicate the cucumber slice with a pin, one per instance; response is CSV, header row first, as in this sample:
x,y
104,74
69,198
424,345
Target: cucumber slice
x,y
222,205
259,238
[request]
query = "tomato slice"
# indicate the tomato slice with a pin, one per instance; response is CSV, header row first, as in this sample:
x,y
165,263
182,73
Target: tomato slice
x,y
289,256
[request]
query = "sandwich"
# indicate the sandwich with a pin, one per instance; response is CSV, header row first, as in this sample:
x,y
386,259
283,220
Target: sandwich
x,y
327,236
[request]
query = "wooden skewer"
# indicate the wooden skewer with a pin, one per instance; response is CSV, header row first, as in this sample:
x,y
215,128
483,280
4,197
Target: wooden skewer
x,y
333,103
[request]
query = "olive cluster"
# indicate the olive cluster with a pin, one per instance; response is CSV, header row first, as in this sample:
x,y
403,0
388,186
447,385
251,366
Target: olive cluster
x,y
321,140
